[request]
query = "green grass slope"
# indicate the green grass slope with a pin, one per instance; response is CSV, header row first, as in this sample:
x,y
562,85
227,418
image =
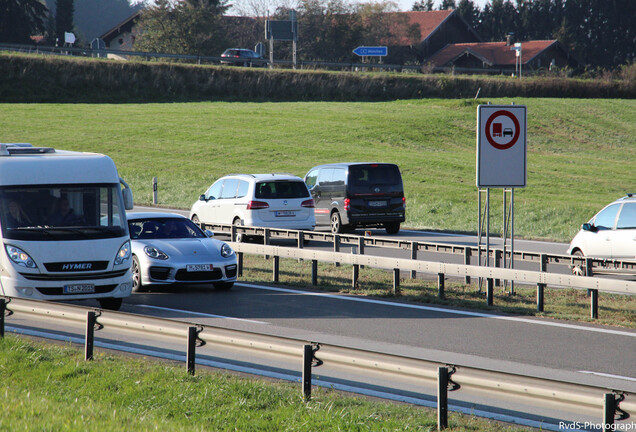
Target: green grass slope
x,y
580,152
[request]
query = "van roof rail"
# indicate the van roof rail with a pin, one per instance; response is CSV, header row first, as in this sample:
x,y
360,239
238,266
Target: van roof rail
x,y
8,149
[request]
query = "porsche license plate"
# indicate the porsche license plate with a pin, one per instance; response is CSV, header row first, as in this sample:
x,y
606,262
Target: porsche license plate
x,y
79,289
199,267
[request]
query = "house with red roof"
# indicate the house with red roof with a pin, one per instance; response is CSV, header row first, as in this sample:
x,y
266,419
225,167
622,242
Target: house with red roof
x,y
436,30
501,57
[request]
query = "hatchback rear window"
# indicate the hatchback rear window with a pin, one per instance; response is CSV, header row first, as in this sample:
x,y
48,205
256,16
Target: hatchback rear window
x,y
374,174
281,189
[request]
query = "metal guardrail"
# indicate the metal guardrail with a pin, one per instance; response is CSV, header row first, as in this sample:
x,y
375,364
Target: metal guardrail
x,y
593,265
614,403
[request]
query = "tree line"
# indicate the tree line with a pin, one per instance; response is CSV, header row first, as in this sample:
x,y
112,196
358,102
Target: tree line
x,y
599,33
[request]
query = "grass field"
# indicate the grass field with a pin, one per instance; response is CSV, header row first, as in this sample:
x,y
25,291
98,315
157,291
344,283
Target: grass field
x,y
51,388
580,152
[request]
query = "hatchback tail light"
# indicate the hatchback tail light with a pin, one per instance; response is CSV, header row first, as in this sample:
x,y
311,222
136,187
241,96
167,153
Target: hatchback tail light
x,y
256,205
347,204
308,203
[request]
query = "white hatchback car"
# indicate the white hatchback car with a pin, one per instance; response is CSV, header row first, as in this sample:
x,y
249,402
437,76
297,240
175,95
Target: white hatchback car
x,y
262,200
609,234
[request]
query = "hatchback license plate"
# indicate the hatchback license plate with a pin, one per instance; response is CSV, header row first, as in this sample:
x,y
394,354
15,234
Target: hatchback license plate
x,y
79,289
199,267
377,203
285,213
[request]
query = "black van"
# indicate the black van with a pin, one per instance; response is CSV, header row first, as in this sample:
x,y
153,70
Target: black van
x,y
361,194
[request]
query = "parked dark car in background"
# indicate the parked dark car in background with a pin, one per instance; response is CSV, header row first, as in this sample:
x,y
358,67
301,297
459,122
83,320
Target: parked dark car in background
x,y
242,57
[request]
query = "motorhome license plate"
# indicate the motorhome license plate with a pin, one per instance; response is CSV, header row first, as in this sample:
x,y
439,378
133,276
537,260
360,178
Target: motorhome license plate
x,y
79,289
377,203
199,267
285,213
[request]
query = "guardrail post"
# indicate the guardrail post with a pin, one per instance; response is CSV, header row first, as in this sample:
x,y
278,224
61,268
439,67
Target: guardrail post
x,y
275,268
266,238
301,239
190,357
239,263
497,265
594,303
609,414
155,200
233,233
440,285
3,307
89,341
489,290
396,281
336,246
308,357
442,398
540,290
361,247
414,247
314,272
467,254
589,271
354,276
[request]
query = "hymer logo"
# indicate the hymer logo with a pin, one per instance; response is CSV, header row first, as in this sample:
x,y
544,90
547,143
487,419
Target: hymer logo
x,y
76,266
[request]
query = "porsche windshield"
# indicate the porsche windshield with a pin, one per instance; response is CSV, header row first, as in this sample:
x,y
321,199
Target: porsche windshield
x,y
62,212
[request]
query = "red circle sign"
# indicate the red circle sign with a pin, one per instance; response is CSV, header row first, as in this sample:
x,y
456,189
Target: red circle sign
x,y
513,140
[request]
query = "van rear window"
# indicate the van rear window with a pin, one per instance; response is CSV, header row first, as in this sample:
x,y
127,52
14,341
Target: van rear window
x,y
374,174
281,189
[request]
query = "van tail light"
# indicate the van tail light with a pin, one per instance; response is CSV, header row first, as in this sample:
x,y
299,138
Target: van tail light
x,y
256,205
404,202
308,203
347,204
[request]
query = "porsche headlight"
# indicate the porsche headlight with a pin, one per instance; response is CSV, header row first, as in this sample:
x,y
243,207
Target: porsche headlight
x,y
226,250
20,257
153,252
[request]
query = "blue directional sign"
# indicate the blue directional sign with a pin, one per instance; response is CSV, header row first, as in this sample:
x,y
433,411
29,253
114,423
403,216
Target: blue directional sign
x,y
378,51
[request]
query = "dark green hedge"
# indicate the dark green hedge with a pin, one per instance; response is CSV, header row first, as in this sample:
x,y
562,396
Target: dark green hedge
x,y
63,79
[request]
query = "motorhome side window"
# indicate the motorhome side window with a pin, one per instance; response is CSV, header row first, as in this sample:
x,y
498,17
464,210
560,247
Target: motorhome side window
x,y
61,212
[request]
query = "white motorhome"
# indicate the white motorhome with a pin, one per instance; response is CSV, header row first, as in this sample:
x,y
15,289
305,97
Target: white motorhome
x,y
63,226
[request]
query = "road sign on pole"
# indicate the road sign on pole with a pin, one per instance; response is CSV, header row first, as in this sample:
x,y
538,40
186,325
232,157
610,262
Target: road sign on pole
x,y
501,146
376,51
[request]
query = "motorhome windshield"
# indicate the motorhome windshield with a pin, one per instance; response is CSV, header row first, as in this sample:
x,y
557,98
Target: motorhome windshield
x,y
62,212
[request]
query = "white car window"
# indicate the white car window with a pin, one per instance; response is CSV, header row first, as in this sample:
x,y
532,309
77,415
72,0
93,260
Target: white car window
x,y
606,218
215,190
627,217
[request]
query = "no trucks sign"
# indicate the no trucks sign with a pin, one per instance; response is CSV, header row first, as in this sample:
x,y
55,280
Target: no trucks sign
x,y
501,146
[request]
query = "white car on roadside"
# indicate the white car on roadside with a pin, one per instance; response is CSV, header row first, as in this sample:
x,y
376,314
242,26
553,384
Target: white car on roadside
x,y
610,234
260,200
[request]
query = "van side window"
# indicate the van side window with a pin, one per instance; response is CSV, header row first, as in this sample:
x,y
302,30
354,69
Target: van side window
x,y
229,188
627,217
324,177
339,176
243,186
214,192
311,179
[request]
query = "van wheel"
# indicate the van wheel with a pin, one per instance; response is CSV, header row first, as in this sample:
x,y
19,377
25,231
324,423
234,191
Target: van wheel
x,y
579,270
195,219
392,227
111,303
240,237
336,223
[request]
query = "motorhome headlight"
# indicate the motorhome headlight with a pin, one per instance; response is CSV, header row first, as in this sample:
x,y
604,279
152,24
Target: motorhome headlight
x,y
124,254
153,252
226,250
20,257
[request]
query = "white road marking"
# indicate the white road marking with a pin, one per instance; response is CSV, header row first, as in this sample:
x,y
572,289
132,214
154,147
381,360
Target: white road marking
x,y
207,315
443,310
606,375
